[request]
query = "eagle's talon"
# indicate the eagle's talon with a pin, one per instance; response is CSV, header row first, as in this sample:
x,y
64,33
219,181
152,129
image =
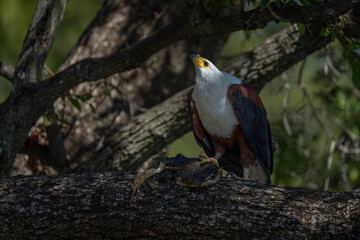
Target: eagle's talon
x,y
209,182
188,172
229,175
202,156
210,161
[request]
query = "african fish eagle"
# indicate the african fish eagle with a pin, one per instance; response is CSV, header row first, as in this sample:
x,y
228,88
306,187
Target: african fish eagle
x,y
230,123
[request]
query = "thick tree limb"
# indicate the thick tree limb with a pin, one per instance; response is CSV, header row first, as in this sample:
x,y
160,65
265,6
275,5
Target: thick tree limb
x,y
127,147
7,71
38,42
93,206
351,19
45,93
291,13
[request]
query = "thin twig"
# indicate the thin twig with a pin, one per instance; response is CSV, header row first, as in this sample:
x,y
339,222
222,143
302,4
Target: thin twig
x,y
301,72
343,126
286,104
300,139
314,113
355,91
67,133
276,16
48,70
126,99
329,163
325,129
322,125
342,169
7,71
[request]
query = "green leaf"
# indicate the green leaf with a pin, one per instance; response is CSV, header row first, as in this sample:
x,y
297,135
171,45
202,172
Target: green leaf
x,y
92,108
214,4
42,77
308,2
278,3
354,174
75,103
302,28
84,97
352,55
357,51
356,72
325,31
354,63
356,75
63,121
230,3
46,118
264,4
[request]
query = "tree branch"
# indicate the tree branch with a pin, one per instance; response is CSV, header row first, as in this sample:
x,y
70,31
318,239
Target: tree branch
x,y
351,17
7,71
95,206
36,46
275,55
38,42
325,13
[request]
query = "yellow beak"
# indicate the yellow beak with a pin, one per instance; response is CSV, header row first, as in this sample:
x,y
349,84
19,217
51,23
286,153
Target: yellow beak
x,y
199,61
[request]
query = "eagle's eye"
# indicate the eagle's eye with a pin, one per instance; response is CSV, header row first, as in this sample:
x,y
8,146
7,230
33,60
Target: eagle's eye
x,y
206,63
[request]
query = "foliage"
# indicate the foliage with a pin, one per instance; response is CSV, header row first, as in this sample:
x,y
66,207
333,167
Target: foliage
x,y
263,4
214,4
352,48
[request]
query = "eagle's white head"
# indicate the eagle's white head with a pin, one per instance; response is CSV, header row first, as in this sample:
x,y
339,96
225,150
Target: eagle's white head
x,y
205,70
207,73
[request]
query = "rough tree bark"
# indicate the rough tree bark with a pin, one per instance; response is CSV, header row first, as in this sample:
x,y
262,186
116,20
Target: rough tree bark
x,y
96,206
43,94
127,147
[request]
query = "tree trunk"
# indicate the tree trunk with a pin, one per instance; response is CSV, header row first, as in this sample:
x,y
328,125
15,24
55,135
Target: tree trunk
x,y
97,206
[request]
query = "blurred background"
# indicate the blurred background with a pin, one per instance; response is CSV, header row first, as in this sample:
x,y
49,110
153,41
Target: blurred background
x,y
313,107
